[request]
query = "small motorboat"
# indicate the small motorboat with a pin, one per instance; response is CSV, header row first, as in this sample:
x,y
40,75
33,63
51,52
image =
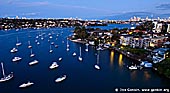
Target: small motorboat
x,y
33,62
60,78
26,84
97,67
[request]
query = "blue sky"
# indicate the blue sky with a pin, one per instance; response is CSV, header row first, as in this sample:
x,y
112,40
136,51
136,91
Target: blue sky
x,y
80,8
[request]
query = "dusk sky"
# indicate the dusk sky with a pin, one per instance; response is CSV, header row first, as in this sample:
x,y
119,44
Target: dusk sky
x,y
80,8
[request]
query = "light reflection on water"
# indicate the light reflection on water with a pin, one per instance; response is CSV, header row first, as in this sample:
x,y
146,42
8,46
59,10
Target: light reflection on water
x,y
120,60
147,76
111,58
133,75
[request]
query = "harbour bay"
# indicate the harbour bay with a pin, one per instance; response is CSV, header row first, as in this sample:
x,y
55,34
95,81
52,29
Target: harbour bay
x,y
82,77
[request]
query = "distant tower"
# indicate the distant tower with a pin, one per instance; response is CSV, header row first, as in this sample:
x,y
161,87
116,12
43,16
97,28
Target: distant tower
x,y
17,17
147,18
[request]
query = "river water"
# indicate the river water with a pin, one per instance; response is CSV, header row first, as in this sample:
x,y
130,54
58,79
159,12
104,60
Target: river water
x,y
82,77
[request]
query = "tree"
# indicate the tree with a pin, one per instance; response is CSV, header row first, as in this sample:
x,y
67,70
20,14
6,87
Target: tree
x,y
80,32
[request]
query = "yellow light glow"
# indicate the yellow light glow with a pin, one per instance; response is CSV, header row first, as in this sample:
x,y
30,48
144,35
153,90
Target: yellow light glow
x,y
130,32
124,44
121,47
111,57
152,45
133,75
113,44
120,60
147,75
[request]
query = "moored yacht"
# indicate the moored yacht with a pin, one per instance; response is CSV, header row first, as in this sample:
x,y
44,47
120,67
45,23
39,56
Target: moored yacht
x,y
29,44
133,67
33,62
13,50
56,46
26,84
74,54
5,77
18,43
67,49
52,43
50,37
80,58
60,59
42,38
60,78
54,65
87,47
38,43
37,37
16,59
50,49
97,65
31,55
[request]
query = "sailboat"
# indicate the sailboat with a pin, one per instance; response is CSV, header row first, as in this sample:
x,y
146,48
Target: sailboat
x,y
80,58
36,37
67,45
97,65
99,46
13,50
5,78
15,59
50,49
18,43
54,65
31,55
87,47
38,43
29,44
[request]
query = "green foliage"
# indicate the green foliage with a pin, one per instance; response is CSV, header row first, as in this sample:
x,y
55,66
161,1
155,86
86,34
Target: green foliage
x,y
80,32
136,51
164,67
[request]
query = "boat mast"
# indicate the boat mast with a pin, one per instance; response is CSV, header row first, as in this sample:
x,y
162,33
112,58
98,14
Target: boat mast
x,y
3,69
31,50
17,39
98,59
29,43
50,46
80,51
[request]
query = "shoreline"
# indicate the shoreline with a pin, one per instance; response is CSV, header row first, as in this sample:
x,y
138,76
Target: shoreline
x,y
131,56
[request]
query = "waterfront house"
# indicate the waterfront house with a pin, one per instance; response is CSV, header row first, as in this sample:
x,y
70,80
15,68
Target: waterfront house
x,y
125,39
157,41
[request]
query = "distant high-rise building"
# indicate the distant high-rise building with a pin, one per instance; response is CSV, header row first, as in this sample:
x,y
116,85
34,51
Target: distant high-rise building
x,y
168,29
17,17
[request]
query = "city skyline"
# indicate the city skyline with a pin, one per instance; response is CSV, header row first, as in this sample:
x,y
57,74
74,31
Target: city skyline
x,y
82,9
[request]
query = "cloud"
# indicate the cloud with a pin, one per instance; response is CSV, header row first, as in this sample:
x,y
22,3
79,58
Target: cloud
x,y
20,3
163,6
30,14
27,4
81,7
